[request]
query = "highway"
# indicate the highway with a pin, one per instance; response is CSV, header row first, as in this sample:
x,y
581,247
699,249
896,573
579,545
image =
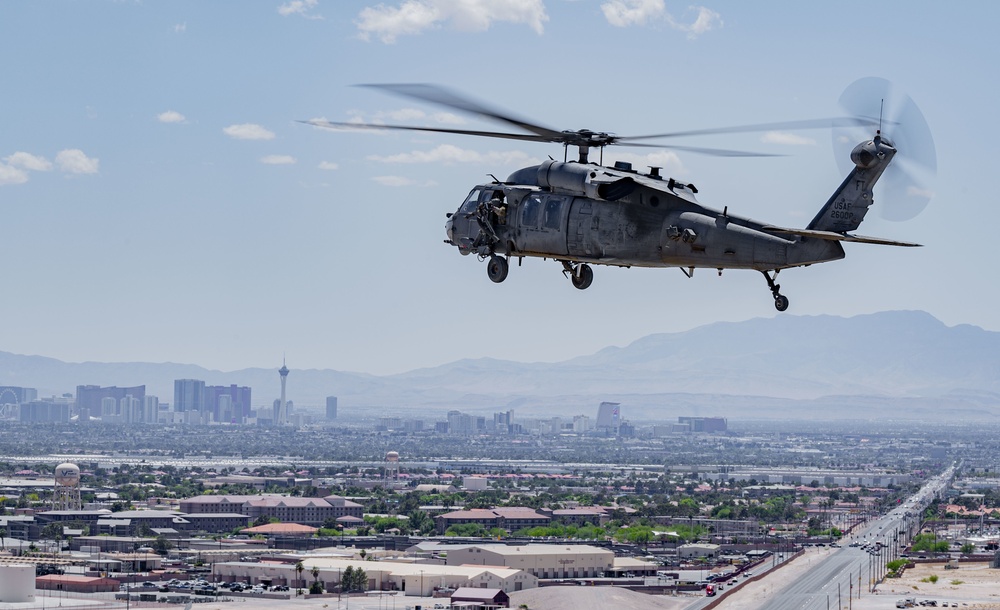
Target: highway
x,y
858,564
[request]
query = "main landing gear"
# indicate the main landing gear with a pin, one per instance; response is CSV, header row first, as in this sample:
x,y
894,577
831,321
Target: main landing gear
x,y
497,268
580,274
780,301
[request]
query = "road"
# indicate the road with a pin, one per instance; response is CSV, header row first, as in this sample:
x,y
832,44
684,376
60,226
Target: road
x,y
831,581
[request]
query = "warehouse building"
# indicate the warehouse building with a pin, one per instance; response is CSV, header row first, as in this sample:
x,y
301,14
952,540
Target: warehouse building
x,y
539,560
412,578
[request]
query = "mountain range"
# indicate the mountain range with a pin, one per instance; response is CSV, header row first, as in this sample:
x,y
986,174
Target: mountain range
x,y
898,364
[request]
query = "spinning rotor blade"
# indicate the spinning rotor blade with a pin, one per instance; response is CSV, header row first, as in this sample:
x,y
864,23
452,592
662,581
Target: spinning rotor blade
x,y
906,186
790,125
714,152
468,132
443,97
582,138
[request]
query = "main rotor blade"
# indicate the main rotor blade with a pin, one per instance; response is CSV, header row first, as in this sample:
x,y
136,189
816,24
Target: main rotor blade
x,y
791,125
714,152
443,97
468,132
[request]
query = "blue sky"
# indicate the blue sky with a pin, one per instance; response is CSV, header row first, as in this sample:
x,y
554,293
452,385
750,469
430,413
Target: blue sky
x,y
159,201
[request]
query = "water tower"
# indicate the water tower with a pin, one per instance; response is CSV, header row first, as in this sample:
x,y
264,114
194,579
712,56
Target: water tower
x,y
66,495
391,467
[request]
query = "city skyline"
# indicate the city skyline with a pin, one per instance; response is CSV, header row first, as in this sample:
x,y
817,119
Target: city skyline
x,y
155,186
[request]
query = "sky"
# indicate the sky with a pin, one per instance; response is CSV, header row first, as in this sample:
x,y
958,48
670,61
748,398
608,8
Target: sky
x,y
159,201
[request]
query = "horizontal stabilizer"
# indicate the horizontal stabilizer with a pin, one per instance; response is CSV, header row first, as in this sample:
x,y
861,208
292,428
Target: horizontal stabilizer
x,y
834,236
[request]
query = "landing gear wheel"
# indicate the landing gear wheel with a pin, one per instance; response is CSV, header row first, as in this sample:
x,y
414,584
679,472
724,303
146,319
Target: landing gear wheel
x,y
780,301
497,269
583,277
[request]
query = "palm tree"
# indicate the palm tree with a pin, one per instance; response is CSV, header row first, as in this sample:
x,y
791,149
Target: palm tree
x,y
315,573
298,569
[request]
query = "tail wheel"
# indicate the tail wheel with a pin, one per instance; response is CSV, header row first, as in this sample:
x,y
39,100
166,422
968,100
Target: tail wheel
x,y
497,269
583,277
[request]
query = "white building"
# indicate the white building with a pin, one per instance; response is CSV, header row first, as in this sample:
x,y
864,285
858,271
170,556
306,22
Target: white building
x,y
539,560
698,550
413,578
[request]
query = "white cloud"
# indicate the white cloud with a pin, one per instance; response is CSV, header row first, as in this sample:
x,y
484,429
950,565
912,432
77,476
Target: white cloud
x,y
278,160
447,153
405,114
170,116
447,118
623,13
12,175
328,165
416,16
248,131
29,161
706,20
401,181
74,161
410,115
788,139
299,7
180,28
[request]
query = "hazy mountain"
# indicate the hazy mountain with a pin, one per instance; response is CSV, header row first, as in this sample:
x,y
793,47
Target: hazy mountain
x,y
905,363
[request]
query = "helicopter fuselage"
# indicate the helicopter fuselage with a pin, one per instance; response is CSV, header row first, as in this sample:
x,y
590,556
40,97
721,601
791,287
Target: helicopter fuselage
x,y
587,213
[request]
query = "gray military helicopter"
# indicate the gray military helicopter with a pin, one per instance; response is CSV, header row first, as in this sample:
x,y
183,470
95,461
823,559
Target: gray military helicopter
x,y
579,213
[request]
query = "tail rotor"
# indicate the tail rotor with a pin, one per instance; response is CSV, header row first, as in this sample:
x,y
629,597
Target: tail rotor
x,y
907,185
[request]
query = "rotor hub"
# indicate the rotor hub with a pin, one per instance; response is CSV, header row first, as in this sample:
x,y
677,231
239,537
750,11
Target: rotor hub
x,y
869,154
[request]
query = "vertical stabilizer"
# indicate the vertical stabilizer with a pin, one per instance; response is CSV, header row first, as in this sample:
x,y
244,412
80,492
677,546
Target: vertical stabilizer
x,y
848,205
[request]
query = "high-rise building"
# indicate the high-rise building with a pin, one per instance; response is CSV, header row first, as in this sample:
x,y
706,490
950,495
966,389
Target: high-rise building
x,y
48,410
704,424
89,399
228,403
463,423
331,407
503,422
130,410
609,417
151,410
189,395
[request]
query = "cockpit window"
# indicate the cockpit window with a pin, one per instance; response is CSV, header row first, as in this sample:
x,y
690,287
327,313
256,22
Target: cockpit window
x,y
469,205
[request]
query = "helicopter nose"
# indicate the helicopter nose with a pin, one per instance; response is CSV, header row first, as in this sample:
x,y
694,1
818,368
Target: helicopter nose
x,y
449,230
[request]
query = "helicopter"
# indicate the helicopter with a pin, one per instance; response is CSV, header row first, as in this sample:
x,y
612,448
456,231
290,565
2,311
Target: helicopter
x,y
581,214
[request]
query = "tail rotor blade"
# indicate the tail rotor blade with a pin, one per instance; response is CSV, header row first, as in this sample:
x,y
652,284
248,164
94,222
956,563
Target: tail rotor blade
x,y
907,185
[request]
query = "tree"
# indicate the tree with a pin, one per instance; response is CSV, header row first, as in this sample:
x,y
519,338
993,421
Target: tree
x,y
161,545
968,548
347,579
52,531
894,566
354,579
315,588
299,568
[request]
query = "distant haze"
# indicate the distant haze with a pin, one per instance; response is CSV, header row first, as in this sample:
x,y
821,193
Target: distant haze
x,y
901,364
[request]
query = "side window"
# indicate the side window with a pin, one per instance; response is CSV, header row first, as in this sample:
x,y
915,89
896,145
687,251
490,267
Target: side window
x,y
469,205
531,211
552,216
